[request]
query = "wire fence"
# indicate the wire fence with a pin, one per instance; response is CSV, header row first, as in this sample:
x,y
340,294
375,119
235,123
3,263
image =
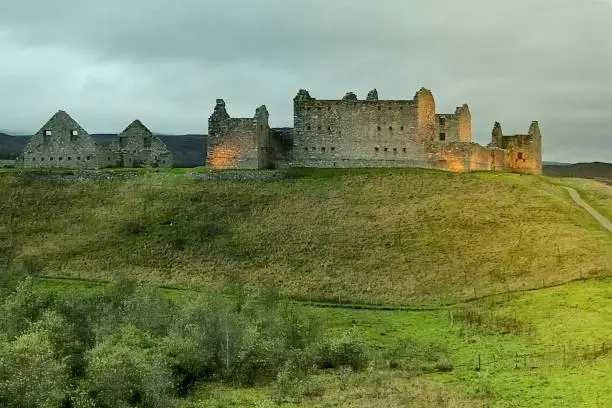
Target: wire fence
x,y
556,357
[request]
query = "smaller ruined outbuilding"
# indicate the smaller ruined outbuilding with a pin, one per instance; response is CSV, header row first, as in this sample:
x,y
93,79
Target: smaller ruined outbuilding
x,y
62,142
136,146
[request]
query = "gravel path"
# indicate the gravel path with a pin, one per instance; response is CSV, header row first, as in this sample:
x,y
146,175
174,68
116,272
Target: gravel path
x,y
600,218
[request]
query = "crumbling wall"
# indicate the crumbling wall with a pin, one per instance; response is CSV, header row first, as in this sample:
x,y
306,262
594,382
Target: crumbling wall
x,y
360,133
242,143
136,146
523,152
464,157
454,127
62,142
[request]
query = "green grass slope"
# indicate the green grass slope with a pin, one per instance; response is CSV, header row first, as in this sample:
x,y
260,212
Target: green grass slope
x,y
546,348
403,236
597,193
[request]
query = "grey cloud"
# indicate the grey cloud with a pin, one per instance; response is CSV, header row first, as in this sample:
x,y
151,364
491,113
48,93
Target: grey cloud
x,y
166,61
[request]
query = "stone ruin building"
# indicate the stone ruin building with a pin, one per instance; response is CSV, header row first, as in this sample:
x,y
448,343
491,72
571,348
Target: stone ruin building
x,y
367,133
62,142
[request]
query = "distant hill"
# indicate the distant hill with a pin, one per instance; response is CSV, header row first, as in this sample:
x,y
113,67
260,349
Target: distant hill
x,y
11,146
595,170
188,150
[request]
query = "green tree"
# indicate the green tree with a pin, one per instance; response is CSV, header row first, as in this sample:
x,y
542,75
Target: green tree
x,y
31,376
126,370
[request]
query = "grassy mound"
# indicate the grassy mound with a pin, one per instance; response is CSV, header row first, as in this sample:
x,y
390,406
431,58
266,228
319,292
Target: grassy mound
x,y
405,236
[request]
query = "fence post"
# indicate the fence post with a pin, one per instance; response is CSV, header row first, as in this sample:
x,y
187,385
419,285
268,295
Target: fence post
x,y
478,362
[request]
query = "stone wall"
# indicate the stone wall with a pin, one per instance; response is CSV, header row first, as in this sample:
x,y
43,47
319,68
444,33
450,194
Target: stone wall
x,y
241,143
350,132
136,146
62,142
523,151
346,132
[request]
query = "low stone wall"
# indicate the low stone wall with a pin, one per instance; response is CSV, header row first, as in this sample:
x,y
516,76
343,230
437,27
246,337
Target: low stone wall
x,y
75,176
241,175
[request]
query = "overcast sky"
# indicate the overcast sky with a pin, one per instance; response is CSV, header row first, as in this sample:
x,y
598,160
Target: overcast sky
x,y
165,62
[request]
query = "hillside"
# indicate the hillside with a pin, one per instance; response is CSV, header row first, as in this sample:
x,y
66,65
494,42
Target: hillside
x,y
596,170
11,146
404,236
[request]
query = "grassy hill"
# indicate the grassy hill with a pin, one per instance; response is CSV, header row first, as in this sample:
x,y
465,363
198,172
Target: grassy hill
x,y
596,170
401,236
11,146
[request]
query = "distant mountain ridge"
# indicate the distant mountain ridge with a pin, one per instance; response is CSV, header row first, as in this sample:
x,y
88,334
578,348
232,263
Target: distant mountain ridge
x,y
594,170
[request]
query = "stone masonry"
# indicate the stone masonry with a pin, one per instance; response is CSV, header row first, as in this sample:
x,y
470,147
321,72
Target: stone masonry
x,y
238,142
136,146
62,142
368,133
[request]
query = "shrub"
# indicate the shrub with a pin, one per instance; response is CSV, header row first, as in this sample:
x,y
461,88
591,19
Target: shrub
x,y
444,365
67,346
346,350
187,362
292,382
30,374
148,311
126,370
21,307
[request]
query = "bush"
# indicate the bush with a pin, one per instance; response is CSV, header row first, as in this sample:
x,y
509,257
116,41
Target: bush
x,y
347,350
127,371
149,311
444,365
21,308
30,374
67,346
187,362
292,381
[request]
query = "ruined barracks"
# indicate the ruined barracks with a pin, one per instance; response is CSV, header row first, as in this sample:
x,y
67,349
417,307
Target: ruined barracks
x,y
62,142
367,133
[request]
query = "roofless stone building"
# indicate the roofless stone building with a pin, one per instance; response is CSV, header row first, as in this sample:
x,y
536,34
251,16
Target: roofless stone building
x,y
63,143
368,133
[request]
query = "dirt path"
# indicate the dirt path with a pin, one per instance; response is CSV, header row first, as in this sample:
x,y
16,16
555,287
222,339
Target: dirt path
x,y
600,218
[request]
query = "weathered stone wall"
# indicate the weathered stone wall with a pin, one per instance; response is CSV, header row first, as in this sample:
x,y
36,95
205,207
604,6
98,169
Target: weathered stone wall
x,y
454,127
241,143
426,115
368,133
523,151
349,132
62,142
463,157
136,146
